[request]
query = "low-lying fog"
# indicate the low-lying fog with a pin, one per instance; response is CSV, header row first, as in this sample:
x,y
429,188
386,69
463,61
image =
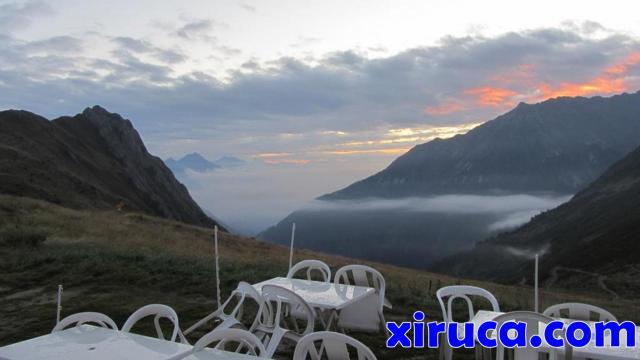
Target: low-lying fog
x,y
412,232
511,210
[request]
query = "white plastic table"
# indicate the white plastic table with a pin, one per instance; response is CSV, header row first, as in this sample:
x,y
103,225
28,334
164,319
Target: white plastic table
x,y
96,343
321,295
589,351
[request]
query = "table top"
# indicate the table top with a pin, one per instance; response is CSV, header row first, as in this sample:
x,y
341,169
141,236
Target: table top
x,y
96,343
590,351
324,295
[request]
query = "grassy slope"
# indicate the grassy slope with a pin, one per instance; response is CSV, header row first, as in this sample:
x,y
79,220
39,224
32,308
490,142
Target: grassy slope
x,y
115,262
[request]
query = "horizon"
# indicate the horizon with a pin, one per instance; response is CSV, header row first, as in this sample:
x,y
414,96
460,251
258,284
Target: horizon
x,y
304,104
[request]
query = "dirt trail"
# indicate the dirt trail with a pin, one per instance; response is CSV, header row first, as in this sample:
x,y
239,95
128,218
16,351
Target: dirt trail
x,y
600,279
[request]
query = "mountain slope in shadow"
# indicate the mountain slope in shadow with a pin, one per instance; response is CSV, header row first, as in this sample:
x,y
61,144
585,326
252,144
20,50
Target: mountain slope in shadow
x,y
95,159
551,149
596,232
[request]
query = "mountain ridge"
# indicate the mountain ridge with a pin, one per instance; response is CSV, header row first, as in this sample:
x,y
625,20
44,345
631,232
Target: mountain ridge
x,y
94,159
501,154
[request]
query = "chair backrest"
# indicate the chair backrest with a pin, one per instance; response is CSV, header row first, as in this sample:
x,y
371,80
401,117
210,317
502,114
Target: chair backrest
x,y
579,311
247,291
362,275
230,312
246,342
311,266
533,320
84,318
158,311
451,293
331,346
280,301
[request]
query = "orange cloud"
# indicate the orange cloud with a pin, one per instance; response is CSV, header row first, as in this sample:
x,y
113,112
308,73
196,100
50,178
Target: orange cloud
x,y
491,96
288,161
597,85
611,80
520,75
272,155
387,151
623,66
444,108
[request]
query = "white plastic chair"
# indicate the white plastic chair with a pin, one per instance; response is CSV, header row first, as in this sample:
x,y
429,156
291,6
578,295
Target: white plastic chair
x,y
280,325
246,343
451,293
84,318
579,311
233,318
158,311
310,266
533,320
364,315
330,346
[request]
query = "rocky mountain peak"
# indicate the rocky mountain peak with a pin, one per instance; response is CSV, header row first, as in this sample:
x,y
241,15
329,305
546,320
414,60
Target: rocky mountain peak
x,y
119,134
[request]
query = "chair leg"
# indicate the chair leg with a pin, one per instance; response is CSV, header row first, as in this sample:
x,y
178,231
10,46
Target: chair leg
x,y
486,353
333,315
446,352
276,337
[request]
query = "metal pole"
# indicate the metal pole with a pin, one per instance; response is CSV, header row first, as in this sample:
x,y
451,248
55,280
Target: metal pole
x,y
535,301
293,236
59,302
215,237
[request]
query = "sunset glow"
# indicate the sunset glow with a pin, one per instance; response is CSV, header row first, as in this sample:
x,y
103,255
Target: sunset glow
x,y
272,155
491,96
287,161
386,151
611,80
445,108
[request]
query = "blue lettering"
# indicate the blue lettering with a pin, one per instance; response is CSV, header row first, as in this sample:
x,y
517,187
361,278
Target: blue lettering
x,y
453,336
520,330
418,329
614,329
398,334
483,334
434,330
584,328
549,334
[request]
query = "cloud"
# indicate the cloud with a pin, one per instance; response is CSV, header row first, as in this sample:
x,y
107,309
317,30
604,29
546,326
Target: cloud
x,y
455,83
449,204
528,253
19,15
196,30
56,44
247,7
490,96
138,46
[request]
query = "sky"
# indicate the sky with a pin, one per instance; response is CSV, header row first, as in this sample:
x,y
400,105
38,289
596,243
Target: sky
x,y
312,94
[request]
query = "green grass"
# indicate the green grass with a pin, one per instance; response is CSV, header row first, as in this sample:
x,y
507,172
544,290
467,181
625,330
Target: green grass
x,y
114,262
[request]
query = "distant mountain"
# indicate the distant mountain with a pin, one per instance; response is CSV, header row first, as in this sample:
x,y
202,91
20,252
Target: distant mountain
x,y
559,145
229,162
551,149
199,163
596,232
92,160
193,161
